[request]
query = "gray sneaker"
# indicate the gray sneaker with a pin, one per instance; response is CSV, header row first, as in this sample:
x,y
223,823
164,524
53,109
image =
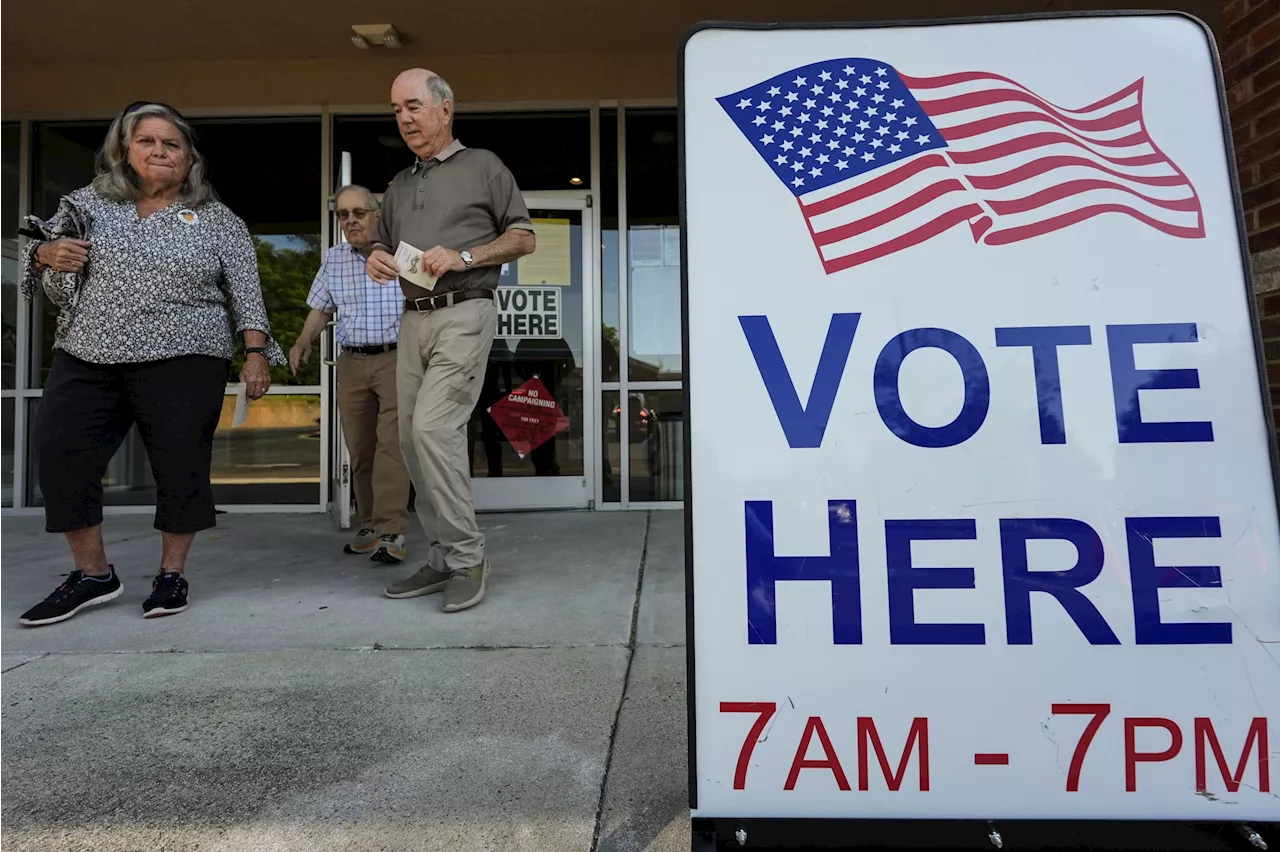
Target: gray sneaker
x,y
426,581
466,587
366,541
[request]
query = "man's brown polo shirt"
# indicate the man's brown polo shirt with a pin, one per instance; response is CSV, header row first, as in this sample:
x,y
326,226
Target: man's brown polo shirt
x,y
460,198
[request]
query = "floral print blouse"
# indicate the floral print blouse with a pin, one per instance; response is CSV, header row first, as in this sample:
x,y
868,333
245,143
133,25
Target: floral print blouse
x,y
181,281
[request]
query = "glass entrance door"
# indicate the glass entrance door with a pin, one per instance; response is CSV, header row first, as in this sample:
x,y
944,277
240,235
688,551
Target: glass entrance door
x,y
532,435
531,438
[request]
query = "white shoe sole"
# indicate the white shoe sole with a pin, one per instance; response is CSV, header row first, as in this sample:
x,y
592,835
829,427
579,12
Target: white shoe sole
x,y
160,611
475,599
416,593
41,622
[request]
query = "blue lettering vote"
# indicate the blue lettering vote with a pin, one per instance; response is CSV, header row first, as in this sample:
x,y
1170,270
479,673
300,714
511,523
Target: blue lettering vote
x,y
1044,343
1126,381
804,425
977,388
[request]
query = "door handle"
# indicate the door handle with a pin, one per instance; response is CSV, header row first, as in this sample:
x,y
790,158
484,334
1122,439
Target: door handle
x,y
325,355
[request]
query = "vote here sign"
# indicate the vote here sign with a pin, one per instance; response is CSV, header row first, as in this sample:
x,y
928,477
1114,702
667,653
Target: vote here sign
x,y
983,518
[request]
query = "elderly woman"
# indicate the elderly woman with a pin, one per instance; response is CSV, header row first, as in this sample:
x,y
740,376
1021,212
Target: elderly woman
x,y
154,278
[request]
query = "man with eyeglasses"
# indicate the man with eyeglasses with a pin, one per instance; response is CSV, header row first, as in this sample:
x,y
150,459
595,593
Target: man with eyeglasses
x,y
368,326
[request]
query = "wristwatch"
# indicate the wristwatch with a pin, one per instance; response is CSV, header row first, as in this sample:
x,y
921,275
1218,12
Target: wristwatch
x,y
255,350
466,258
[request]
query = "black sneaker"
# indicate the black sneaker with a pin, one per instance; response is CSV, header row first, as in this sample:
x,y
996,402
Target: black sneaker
x,y
168,596
77,592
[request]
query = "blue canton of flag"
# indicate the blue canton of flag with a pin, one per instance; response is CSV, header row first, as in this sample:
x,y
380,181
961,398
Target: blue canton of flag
x,y
830,121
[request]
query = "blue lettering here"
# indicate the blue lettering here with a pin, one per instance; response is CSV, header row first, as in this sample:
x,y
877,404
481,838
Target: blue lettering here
x,y
1020,581
765,569
905,578
1127,381
977,388
1148,579
1044,343
805,425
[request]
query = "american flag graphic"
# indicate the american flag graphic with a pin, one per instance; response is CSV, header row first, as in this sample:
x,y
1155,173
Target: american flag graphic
x,y
881,162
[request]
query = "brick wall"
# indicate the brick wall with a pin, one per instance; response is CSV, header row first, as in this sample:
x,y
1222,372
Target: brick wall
x,y
1250,45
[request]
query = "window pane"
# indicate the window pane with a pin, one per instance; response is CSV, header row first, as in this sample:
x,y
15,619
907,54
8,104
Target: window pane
x,y
653,247
540,361
62,162
656,445
274,456
543,150
611,469
610,321
6,451
10,147
278,198
127,481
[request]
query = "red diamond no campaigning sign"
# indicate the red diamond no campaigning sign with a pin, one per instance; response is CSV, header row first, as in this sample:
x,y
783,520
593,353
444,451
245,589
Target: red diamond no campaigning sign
x,y
529,416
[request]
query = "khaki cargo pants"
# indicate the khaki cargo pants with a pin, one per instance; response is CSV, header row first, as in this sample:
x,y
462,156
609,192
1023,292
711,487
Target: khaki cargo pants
x,y
439,372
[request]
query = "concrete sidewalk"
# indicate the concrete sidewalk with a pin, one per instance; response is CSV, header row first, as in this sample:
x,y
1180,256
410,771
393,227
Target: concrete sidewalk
x,y
294,707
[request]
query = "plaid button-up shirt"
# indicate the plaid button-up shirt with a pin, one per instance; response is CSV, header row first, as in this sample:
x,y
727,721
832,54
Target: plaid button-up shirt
x,y
368,312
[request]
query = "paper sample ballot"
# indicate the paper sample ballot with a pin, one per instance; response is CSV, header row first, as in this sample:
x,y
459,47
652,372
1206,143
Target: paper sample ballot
x,y
242,405
409,260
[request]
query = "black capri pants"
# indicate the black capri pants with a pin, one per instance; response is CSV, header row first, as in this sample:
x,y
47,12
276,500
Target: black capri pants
x,y
85,414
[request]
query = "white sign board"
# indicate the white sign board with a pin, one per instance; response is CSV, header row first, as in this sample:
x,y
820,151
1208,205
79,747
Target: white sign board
x,y
982,507
529,312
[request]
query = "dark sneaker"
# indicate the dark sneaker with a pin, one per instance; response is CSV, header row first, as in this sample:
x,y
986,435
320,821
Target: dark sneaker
x,y
366,541
77,592
466,587
426,581
168,596
390,550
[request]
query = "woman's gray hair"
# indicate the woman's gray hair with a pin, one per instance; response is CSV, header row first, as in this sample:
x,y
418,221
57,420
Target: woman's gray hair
x,y
117,181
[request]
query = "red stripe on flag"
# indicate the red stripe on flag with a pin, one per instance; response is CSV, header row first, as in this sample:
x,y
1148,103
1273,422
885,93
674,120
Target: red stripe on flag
x,y
888,214
925,232
1036,229
1048,164
970,76
1077,187
875,185
1041,140
973,100
1132,115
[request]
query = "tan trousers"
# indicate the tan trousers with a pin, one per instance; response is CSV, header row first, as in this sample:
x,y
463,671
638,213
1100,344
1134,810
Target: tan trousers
x,y
439,374
367,406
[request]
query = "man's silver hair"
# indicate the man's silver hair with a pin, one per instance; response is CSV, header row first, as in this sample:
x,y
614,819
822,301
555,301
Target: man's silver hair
x,y
117,181
440,90
363,189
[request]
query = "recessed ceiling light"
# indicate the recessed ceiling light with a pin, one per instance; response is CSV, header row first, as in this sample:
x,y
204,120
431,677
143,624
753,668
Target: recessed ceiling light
x,y
375,34
576,181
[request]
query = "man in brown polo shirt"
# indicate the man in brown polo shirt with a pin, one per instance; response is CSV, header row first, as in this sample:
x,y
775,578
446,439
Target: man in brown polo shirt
x,y
461,207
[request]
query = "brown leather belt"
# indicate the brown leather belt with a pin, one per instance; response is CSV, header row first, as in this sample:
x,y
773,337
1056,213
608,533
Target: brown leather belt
x,y
445,300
